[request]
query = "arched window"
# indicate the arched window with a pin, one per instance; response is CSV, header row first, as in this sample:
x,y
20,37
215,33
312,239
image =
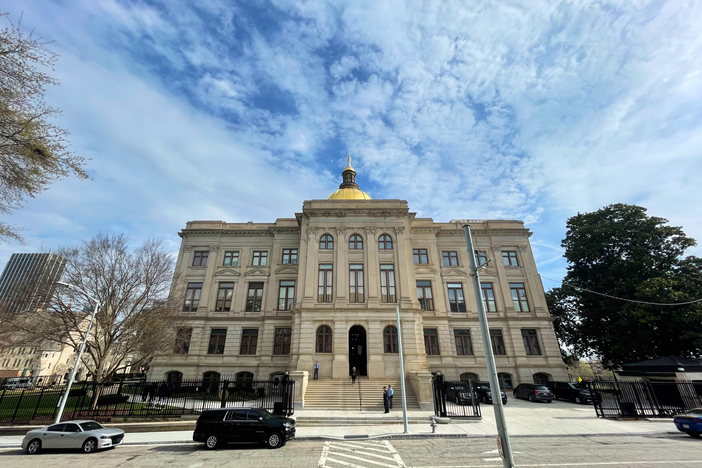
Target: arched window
x,y
390,339
465,377
542,378
385,242
505,380
324,339
356,242
174,377
210,382
326,242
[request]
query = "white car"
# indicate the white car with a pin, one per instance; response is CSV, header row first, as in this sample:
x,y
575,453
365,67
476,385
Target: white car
x,y
89,436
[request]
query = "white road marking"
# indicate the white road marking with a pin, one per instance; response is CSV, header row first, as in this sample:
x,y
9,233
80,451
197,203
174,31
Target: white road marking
x,y
358,454
612,463
323,459
372,462
395,455
363,453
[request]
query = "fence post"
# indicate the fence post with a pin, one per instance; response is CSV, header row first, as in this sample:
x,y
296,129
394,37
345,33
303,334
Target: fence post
x,y
14,414
41,394
223,396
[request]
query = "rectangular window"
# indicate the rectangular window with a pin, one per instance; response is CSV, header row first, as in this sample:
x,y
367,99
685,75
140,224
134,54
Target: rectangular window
x,y
509,258
387,283
531,342
231,258
281,342
182,344
290,256
488,297
420,256
464,345
426,301
431,342
249,341
192,297
218,336
325,289
200,258
498,342
356,294
286,295
224,297
450,257
519,297
254,298
456,301
481,255
260,258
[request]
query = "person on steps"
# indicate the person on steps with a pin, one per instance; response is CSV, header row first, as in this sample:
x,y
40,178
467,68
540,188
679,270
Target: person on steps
x,y
316,370
391,392
354,374
385,399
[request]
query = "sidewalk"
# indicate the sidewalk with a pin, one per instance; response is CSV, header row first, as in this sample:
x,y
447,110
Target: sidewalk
x,y
524,419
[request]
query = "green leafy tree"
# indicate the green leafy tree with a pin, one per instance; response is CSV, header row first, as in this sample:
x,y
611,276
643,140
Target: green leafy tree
x,y
33,151
623,252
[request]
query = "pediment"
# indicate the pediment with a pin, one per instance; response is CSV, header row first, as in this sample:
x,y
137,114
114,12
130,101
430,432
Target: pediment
x,y
227,271
453,272
424,270
487,272
286,270
257,272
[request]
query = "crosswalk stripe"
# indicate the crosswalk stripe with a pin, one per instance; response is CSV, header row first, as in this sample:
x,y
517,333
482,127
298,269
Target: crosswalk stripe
x,y
394,465
364,453
358,447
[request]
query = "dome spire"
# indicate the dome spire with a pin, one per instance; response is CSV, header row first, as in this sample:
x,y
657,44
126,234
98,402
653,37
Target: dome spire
x,y
348,190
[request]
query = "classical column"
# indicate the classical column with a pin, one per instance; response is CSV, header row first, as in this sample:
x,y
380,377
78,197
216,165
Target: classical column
x,y
341,265
340,366
372,274
310,273
403,274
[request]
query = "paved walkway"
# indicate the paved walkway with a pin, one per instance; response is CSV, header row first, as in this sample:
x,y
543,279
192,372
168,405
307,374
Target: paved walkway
x,y
523,419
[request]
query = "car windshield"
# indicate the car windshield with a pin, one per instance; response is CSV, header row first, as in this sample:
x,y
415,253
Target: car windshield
x,y
579,386
459,388
695,412
90,426
265,414
540,387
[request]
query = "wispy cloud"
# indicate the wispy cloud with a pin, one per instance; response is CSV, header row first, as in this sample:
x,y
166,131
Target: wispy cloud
x,y
241,110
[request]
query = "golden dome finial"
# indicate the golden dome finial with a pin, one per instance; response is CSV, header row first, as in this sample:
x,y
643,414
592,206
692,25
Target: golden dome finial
x,y
348,190
348,162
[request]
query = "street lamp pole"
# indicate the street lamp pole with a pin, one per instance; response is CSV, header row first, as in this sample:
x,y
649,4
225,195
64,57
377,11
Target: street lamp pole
x,y
64,399
503,443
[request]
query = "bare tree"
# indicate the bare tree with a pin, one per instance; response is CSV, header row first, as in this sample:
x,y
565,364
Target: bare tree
x,y
33,151
135,318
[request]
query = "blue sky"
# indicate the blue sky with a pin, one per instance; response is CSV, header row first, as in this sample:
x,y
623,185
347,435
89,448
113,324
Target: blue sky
x,y
241,110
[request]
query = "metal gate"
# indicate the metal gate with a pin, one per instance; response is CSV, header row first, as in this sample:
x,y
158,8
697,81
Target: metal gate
x,y
455,399
645,399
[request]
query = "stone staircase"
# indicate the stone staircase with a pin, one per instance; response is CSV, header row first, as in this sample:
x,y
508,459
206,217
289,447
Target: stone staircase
x,y
340,395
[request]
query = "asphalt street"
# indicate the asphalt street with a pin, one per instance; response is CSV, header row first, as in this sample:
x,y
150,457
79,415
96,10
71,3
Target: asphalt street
x,y
660,450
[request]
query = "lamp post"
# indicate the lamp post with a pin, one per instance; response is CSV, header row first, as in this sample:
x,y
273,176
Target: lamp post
x,y
64,399
503,442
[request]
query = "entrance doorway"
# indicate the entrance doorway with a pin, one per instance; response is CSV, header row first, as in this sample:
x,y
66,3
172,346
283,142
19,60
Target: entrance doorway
x,y
358,353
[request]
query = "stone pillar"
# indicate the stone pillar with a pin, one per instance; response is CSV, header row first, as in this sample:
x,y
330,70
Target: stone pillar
x,y
421,384
301,378
310,294
340,348
375,352
341,269
404,272
372,269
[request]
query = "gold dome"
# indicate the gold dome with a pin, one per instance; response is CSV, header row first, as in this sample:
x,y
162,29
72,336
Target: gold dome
x,y
348,190
349,194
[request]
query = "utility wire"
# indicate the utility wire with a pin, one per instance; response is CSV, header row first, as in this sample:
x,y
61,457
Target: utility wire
x,y
564,283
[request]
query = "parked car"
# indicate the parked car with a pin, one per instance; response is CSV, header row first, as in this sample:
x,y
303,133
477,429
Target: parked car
x,y
14,383
690,422
89,436
484,393
533,392
573,391
460,394
218,427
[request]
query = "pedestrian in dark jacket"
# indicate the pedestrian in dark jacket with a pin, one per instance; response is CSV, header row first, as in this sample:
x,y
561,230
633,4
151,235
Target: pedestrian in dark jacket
x,y
385,399
353,376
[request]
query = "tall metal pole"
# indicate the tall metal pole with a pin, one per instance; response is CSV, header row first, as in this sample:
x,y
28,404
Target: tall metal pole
x,y
402,369
503,436
64,399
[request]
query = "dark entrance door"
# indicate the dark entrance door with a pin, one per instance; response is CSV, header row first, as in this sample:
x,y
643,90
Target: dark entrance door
x,y
358,350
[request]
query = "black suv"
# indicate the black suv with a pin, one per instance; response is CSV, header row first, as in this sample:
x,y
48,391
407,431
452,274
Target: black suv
x,y
484,393
576,392
460,393
219,426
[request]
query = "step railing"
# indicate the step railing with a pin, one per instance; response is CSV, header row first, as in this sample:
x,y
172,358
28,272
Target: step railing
x,y
360,396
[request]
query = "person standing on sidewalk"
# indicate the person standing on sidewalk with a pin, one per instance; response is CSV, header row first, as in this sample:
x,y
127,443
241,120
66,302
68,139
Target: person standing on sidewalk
x,y
391,392
385,399
316,370
353,376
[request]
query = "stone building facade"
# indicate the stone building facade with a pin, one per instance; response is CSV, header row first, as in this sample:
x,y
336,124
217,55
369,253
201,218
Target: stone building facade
x,y
262,298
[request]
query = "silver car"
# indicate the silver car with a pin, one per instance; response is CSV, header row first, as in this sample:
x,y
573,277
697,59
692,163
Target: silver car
x,y
89,436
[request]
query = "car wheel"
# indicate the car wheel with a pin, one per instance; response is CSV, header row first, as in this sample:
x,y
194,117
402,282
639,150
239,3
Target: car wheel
x,y
578,400
274,440
212,441
516,397
531,398
34,447
90,445
504,402
696,435
549,401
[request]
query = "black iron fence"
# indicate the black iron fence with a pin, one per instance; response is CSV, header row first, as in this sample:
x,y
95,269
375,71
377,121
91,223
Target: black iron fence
x,y
645,399
140,399
455,399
